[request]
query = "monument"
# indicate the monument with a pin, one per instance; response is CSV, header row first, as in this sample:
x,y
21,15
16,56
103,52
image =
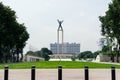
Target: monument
x,y
60,48
60,37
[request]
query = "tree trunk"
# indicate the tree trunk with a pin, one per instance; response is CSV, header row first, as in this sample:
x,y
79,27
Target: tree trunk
x,y
118,54
17,52
13,57
112,58
117,57
21,52
118,51
1,55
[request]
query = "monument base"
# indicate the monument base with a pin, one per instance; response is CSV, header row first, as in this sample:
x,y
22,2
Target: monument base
x,y
60,60
61,57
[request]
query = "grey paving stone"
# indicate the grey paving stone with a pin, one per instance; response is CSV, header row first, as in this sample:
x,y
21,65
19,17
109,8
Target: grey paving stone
x,y
52,74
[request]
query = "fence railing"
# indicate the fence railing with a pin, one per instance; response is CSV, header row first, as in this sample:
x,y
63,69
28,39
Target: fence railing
x,y
33,72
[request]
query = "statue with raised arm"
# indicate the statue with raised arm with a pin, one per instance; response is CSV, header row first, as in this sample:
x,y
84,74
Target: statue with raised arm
x,y
60,24
60,39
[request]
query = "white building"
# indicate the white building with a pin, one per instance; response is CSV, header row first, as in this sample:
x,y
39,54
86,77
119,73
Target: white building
x,y
105,58
68,48
29,58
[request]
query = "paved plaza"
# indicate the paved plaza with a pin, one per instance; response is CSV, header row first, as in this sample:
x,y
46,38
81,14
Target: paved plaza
x,y
68,74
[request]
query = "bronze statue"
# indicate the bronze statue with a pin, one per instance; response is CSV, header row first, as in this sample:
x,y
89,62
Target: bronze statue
x,y
60,26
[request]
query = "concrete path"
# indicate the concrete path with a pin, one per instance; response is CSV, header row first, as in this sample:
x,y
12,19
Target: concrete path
x,y
68,74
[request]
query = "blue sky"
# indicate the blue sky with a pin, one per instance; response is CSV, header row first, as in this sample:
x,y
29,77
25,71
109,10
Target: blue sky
x,y
81,23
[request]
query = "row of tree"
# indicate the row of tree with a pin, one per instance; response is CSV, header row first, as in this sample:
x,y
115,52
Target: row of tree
x,y
13,36
110,28
44,53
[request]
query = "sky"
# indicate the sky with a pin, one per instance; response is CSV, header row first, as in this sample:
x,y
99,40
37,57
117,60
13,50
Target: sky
x,y
81,21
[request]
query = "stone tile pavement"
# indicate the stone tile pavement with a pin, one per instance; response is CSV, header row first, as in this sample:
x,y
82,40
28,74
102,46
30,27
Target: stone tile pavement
x,y
68,74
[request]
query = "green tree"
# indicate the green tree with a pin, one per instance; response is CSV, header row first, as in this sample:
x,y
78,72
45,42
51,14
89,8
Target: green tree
x,y
105,48
110,23
96,53
73,58
36,53
45,53
85,55
13,35
30,53
21,38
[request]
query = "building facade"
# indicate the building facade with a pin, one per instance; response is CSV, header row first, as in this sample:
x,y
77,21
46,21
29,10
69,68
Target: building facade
x,y
68,48
30,58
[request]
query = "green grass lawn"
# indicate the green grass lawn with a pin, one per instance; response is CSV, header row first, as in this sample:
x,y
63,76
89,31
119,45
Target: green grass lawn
x,y
55,64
